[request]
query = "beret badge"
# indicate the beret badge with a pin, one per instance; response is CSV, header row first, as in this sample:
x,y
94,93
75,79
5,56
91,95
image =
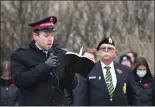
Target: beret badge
x,y
110,40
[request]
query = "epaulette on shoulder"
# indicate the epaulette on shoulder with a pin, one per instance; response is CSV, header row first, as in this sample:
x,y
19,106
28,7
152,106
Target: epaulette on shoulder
x,y
20,49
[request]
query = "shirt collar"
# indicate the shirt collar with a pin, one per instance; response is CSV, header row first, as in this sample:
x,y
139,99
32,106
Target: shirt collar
x,y
38,47
111,65
45,52
41,49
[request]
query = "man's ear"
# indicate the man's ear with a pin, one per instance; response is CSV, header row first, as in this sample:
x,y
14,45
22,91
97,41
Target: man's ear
x,y
35,36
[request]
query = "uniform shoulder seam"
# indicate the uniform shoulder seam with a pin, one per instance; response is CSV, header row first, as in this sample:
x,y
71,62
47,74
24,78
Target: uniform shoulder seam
x,y
20,49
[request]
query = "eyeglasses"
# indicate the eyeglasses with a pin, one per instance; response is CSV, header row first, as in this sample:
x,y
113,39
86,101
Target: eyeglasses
x,y
106,48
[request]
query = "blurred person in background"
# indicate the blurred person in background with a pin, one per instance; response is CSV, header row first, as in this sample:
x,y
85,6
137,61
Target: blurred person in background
x,y
0,76
143,80
91,54
133,56
153,91
125,60
75,96
9,95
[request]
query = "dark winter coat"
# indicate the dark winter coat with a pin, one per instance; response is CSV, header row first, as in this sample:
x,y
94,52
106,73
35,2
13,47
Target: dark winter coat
x,y
32,76
9,94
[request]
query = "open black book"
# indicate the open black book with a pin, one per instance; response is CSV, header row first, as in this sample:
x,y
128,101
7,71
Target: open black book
x,y
82,65
73,63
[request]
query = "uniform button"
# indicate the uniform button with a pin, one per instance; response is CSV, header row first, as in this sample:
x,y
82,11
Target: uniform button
x,y
110,99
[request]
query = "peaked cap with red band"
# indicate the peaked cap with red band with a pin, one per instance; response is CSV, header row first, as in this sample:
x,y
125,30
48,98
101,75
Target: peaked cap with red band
x,y
47,24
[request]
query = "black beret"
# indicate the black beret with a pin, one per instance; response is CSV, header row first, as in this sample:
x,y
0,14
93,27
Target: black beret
x,y
47,24
106,40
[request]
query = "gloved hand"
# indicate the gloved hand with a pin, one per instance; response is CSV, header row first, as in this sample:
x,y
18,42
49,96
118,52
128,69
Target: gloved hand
x,y
52,61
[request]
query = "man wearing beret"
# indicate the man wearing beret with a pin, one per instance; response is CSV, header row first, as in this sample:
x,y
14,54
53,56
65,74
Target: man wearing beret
x,y
110,83
33,68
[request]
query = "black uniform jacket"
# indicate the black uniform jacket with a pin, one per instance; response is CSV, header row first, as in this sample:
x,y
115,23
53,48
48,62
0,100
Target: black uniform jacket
x,y
124,94
32,76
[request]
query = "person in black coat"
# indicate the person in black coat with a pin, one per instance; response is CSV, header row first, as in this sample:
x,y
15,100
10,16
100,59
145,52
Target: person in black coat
x,y
9,94
153,91
34,68
143,79
76,96
110,83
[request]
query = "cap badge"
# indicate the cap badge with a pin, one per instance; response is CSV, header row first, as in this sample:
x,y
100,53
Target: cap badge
x,y
110,40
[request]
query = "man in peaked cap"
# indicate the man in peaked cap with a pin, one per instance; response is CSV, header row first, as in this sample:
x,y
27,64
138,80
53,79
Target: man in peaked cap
x,y
46,25
33,68
110,83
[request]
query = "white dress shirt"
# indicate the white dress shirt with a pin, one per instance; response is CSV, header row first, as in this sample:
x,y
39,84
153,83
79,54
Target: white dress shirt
x,y
112,70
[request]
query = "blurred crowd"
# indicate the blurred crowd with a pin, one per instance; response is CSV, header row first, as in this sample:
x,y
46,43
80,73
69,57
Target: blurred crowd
x,y
35,77
9,93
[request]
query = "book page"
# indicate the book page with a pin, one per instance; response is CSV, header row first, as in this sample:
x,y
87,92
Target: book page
x,y
73,53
